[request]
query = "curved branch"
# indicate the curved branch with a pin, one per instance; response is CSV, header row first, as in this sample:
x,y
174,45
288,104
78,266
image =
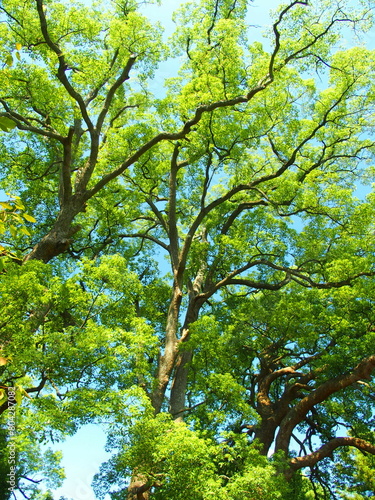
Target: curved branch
x,y
175,136
23,124
158,214
146,237
271,67
362,371
327,449
241,207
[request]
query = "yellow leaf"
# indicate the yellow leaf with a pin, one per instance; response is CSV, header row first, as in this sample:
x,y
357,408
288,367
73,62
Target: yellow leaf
x,y
3,361
20,205
5,205
18,46
29,218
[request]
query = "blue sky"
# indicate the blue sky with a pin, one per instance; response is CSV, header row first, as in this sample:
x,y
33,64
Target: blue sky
x,y
83,454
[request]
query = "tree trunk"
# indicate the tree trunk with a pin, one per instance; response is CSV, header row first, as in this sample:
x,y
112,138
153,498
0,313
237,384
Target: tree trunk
x,y
58,239
139,488
177,400
167,360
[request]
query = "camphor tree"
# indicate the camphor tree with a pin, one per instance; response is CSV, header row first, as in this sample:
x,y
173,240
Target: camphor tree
x,y
201,273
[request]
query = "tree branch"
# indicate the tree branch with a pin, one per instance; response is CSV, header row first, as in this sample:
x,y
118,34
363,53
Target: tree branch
x,y
175,136
111,92
362,371
327,449
63,67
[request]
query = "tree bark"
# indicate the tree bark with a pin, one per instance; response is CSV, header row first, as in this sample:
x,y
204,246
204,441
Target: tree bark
x,y
58,239
139,488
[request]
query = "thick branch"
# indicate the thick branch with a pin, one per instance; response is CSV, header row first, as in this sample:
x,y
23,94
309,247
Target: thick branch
x,y
327,449
172,218
362,371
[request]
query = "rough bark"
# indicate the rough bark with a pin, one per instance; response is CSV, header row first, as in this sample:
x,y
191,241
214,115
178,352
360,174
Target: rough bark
x,y
59,238
271,413
180,379
139,488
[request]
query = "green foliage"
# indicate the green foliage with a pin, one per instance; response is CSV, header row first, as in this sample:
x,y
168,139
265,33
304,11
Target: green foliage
x,y
201,253
12,214
360,486
180,463
12,220
23,454
6,124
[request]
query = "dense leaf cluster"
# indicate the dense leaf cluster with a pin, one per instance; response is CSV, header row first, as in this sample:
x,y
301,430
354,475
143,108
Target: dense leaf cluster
x,y
199,276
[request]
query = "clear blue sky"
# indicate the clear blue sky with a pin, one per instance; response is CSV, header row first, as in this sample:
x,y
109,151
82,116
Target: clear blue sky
x,y
83,454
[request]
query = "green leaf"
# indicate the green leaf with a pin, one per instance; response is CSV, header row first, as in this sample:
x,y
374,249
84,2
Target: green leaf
x,y
3,396
6,124
19,394
13,230
24,230
9,60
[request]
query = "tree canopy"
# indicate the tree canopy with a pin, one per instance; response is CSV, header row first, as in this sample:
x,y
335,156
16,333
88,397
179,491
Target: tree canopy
x,y
190,261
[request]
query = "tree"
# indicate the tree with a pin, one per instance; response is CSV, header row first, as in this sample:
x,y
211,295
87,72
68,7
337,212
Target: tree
x,y
244,176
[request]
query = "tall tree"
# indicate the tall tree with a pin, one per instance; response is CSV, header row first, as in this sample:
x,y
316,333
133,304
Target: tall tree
x,y
243,174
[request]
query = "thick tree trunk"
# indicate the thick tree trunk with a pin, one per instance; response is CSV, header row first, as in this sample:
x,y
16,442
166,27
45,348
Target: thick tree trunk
x,y
58,239
167,360
178,391
177,402
139,488
271,413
